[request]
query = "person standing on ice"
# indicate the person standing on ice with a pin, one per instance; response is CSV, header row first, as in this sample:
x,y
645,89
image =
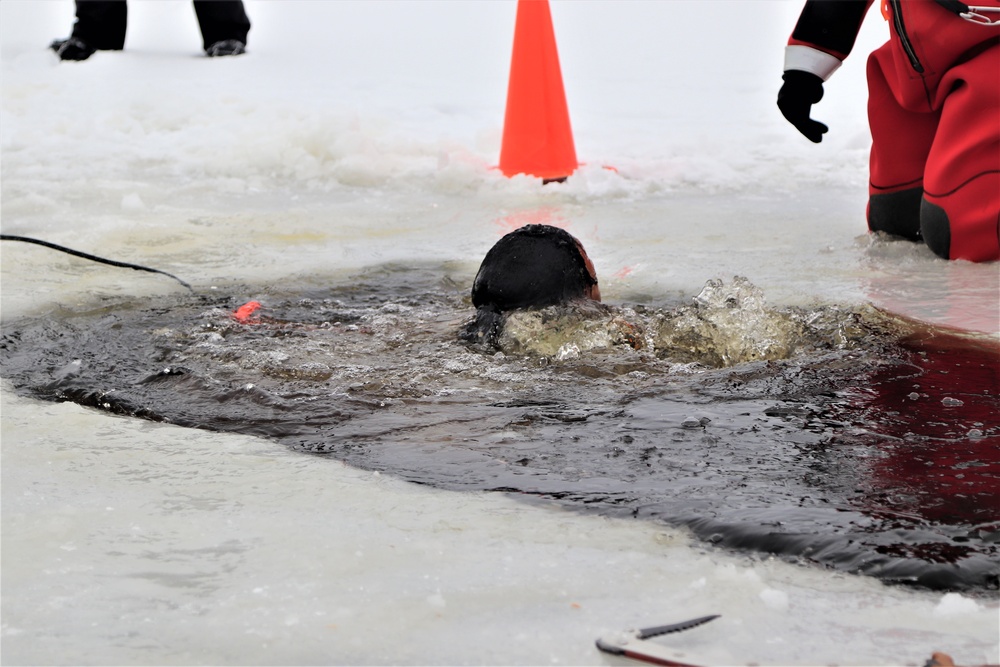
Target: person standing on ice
x,y
100,26
934,112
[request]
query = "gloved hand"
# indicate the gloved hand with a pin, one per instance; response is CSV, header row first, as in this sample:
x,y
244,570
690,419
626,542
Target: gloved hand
x,y
800,91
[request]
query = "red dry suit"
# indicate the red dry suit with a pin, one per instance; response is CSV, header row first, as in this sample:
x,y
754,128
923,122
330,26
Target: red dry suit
x,y
934,112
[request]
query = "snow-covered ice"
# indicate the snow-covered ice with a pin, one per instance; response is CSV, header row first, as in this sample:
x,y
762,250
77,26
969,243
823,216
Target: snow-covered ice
x,y
360,133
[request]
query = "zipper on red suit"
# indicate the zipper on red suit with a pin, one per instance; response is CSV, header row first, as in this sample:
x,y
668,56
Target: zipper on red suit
x,y
897,20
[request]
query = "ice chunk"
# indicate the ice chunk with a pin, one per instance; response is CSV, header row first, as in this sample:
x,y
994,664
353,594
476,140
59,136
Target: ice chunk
x,y
774,599
954,604
133,202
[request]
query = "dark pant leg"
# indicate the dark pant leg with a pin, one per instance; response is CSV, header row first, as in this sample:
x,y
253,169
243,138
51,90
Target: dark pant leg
x,y
101,23
220,20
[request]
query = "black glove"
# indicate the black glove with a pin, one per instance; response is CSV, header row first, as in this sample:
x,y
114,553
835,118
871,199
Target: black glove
x,y
800,91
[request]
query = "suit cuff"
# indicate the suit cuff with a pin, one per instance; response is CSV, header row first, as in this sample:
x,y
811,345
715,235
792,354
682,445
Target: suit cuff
x,y
808,59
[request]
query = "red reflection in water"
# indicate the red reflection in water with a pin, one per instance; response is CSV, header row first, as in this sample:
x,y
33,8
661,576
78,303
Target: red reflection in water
x,y
545,215
935,418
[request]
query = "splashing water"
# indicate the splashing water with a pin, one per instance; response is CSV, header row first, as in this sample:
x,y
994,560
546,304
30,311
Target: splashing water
x,y
726,325
820,434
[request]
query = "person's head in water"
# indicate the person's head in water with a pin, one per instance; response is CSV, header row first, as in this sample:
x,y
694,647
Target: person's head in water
x,y
533,267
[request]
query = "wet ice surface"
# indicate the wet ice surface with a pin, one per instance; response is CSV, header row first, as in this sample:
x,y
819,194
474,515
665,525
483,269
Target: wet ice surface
x,y
841,437
145,543
340,143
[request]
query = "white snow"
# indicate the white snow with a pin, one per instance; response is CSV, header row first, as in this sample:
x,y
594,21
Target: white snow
x,y
774,599
355,133
954,604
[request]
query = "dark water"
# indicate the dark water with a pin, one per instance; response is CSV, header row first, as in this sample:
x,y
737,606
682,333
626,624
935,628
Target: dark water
x,y
837,436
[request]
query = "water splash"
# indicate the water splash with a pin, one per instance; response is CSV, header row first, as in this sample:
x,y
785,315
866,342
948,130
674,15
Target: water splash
x,y
790,431
726,324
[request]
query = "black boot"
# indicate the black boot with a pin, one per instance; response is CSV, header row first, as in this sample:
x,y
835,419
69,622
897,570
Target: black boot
x,y
896,213
935,228
72,48
227,47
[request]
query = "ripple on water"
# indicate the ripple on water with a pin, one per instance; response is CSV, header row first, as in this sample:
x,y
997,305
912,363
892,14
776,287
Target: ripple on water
x,y
835,435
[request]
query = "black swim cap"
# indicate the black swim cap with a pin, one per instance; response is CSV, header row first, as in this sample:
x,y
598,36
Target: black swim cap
x,y
533,267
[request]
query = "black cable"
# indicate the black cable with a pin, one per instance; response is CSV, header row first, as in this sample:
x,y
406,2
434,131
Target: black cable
x,y
93,258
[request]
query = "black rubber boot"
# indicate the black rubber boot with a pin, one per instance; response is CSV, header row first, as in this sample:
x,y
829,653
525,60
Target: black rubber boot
x,y
897,213
227,47
72,48
935,228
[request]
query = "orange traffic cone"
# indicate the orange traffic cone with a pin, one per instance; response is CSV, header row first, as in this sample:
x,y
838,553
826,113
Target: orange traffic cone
x,y
537,137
